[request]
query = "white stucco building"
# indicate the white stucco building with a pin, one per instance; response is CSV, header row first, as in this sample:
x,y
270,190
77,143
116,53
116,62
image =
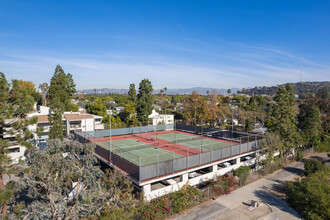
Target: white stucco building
x,y
161,118
72,120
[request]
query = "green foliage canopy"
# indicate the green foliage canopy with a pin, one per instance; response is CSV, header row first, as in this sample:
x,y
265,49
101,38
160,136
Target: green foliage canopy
x,y
145,100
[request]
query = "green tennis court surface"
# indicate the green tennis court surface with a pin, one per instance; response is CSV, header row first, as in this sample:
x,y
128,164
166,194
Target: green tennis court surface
x,y
193,141
138,152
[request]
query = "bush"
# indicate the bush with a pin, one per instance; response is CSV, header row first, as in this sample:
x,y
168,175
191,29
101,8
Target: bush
x,y
310,197
242,172
223,185
184,198
157,209
311,166
299,155
323,146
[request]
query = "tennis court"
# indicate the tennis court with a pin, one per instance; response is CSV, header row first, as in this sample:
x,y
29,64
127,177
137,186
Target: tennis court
x,y
138,152
194,141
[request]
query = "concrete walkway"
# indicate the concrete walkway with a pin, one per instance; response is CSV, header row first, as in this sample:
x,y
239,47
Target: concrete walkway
x,y
258,190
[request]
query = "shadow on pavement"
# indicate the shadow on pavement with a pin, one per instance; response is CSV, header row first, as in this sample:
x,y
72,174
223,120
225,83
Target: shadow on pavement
x,y
294,170
271,200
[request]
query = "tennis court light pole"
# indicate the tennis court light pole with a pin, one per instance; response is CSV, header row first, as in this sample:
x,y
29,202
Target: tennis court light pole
x,y
195,110
232,121
110,136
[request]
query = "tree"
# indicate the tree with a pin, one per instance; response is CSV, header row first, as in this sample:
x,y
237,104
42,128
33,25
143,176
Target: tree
x,y
229,91
145,100
97,107
115,122
44,92
62,182
248,124
271,144
310,196
213,107
311,166
283,118
323,92
15,102
243,90
129,114
72,107
61,86
132,93
195,108
242,172
60,91
55,118
165,101
28,88
122,204
310,124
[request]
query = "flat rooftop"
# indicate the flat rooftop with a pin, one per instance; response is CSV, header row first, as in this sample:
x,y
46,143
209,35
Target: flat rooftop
x,y
151,151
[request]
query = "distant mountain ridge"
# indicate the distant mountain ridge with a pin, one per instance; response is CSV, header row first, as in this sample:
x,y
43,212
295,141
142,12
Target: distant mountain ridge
x,y
298,88
200,90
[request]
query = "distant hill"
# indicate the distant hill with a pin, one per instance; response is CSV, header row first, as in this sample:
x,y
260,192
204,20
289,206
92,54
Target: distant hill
x,y
200,90
103,91
298,88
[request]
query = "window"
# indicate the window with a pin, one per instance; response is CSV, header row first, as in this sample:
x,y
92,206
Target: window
x,y
14,150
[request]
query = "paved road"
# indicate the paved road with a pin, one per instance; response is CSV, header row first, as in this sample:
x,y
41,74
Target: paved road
x,y
258,190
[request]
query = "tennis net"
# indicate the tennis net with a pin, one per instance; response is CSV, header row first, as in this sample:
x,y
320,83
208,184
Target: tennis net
x,y
145,137
186,139
125,148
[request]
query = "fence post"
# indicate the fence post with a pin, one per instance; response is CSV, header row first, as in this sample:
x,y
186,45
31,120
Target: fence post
x,y
157,166
221,151
240,145
200,154
173,161
187,159
211,152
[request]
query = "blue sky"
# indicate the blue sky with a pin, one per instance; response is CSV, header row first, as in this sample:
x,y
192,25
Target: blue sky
x,y
177,44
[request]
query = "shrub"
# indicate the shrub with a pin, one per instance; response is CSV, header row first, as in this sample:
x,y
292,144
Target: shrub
x,y
310,197
311,166
157,209
223,185
242,172
323,146
184,198
299,155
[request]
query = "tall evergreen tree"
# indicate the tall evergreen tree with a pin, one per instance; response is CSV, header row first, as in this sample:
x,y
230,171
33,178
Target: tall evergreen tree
x,y
283,118
15,102
145,100
310,124
61,86
60,91
56,123
132,93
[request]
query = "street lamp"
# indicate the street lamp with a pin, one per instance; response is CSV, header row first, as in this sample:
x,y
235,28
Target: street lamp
x,y
195,111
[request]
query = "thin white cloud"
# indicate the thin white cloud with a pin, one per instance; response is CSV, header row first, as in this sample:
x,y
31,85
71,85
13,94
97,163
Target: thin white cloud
x,y
239,66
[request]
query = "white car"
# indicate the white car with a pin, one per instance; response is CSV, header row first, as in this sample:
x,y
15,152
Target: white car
x,y
226,164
